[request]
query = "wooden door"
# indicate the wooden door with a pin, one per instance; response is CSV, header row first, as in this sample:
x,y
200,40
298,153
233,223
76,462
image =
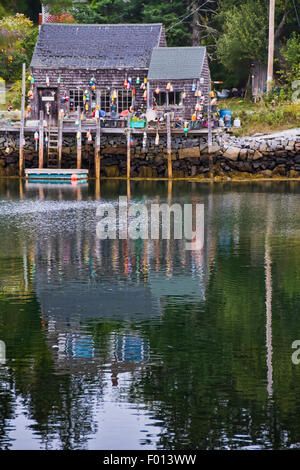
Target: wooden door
x,y
48,103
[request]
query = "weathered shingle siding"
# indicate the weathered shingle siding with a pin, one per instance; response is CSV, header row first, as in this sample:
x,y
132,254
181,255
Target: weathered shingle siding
x,y
185,85
205,74
106,79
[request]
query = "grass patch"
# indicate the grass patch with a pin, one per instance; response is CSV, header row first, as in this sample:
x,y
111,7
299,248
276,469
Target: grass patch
x,y
262,117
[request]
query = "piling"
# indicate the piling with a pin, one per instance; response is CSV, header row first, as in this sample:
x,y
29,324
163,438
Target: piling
x,y
128,146
79,139
98,140
60,136
22,123
41,140
169,148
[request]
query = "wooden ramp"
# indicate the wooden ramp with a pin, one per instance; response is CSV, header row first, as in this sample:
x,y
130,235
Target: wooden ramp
x,y
56,174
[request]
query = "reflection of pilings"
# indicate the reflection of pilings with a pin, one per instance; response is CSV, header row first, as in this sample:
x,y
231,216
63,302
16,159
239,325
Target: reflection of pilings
x,y
25,267
128,191
268,284
21,189
97,189
79,193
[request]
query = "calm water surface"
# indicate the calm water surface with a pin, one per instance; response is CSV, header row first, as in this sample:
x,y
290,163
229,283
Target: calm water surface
x,y
141,344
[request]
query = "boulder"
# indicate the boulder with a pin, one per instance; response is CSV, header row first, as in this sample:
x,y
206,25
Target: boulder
x,y
232,153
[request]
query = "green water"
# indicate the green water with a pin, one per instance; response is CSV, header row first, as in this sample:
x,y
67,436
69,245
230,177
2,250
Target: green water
x,y
141,344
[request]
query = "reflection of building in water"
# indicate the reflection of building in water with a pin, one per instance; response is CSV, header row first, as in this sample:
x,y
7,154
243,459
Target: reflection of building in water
x,y
73,350
78,277
131,347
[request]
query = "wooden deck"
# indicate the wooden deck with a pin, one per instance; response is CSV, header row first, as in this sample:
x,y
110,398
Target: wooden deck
x,y
115,130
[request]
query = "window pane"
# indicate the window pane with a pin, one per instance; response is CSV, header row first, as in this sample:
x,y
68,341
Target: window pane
x,y
105,100
76,99
174,98
124,100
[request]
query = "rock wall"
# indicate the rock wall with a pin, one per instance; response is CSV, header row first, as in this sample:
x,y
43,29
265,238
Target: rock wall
x,y
228,157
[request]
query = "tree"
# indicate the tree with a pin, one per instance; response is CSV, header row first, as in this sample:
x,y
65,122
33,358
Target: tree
x,y
245,36
13,31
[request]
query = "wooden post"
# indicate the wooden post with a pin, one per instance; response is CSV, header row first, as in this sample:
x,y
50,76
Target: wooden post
x,y
97,162
148,95
128,146
209,135
60,136
78,138
169,149
22,123
271,45
41,140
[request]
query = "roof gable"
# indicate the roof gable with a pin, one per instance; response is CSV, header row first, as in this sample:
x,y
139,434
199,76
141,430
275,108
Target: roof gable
x,y
95,46
171,63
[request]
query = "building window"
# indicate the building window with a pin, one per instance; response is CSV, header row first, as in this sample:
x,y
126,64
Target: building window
x,y
124,100
76,99
105,100
174,98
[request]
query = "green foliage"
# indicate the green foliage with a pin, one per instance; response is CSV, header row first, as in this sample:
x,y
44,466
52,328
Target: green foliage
x,y
14,95
291,53
28,43
58,6
11,65
136,11
272,114
245,35
13,29
18,23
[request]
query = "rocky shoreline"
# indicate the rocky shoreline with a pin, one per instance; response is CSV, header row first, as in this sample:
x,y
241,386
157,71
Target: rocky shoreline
x,y
260,156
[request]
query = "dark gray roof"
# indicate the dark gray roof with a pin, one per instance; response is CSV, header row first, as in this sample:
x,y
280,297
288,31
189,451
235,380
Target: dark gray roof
x,y
95,46
176,63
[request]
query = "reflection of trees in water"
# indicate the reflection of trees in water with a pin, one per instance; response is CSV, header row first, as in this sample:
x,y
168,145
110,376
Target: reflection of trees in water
x,y
204,375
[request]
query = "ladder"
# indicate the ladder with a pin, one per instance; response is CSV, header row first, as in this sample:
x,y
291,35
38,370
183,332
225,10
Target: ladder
x,y
53,147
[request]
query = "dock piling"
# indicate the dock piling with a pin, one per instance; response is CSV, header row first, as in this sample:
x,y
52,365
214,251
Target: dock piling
x,y
60,136
128,146
22,123
98,140
169,148
79,146
41,140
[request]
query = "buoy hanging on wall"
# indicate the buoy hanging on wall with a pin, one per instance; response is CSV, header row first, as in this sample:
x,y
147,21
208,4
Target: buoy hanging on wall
x,y
47,81
36,138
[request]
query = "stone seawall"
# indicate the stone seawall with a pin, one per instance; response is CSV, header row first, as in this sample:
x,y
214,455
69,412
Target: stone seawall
x,y
260,156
